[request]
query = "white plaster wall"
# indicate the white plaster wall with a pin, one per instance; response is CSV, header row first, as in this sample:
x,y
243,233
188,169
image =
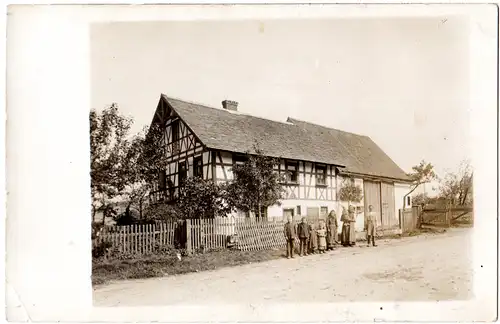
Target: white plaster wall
x,y
207,169
219,172
400,190
277,211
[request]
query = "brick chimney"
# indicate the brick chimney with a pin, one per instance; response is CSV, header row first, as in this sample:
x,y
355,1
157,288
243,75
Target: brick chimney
x,y
230,105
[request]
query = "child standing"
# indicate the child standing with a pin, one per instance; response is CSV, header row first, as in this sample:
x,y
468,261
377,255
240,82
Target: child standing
x,y
322,237
313,239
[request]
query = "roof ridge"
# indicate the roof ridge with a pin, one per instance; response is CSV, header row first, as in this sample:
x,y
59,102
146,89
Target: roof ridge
x,y
324,126
191,102
241,113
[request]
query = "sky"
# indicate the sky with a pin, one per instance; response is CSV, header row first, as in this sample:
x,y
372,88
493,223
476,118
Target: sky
x,y
403,82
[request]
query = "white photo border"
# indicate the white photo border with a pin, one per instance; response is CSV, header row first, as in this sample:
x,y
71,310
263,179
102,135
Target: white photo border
x,y
48,234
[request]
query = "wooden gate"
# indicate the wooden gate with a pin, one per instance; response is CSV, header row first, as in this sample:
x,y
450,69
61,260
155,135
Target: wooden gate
x,y
389,217
372,197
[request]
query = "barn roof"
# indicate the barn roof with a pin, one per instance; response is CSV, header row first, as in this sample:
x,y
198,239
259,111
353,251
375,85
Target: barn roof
x,y
221,129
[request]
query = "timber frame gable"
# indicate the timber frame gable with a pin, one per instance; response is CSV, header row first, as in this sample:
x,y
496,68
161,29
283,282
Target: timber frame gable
x,y
186,154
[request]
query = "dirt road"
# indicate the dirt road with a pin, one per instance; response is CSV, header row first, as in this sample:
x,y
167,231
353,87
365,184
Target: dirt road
x,y
421,268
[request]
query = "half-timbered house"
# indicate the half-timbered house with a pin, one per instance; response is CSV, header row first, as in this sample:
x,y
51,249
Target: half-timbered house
x,y
206,142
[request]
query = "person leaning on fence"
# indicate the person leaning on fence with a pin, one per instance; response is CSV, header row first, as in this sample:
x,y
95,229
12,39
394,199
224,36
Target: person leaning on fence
x,y
290,234
303,234
313,239
331,230
370,226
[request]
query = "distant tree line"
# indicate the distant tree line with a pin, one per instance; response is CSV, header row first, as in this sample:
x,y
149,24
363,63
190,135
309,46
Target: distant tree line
x,y
455,188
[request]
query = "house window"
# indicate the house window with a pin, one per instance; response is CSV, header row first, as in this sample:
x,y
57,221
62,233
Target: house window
x,y
175,135
408,201
182,172
239,159
321,175
263,212
292,171
198,167
323,211
175,131
299,211
287,212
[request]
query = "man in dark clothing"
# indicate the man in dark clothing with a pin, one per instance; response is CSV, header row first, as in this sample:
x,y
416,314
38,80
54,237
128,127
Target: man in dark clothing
x,y
303,234
290,234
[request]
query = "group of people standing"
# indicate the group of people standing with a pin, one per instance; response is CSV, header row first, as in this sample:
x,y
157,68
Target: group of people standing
x,y
324,237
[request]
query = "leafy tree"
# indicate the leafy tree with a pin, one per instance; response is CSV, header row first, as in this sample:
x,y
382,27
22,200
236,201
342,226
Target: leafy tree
x,y
146,157
108,147
255,184
457,187
421,174
350,192
199,198
137,194
151,152
138,180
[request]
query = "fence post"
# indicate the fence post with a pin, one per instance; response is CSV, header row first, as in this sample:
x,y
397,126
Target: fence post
x,y
189,248
401,225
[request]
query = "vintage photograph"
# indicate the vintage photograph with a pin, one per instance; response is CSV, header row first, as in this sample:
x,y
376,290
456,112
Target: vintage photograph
x,y
281,160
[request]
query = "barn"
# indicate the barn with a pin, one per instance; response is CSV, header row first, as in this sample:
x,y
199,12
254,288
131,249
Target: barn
x,y
206,142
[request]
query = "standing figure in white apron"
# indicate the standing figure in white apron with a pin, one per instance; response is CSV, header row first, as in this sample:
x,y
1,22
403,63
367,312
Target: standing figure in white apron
x,y
371,226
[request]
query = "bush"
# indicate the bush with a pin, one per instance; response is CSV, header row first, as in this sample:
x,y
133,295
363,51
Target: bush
x,y
350,192
125,219
162,212
96,228
101,249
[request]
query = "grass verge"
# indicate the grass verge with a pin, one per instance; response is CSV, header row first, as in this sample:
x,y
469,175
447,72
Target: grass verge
x,y
426,230
158,266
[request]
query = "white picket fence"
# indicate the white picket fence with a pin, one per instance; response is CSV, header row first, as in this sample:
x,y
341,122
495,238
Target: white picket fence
x,y
138,239
199,235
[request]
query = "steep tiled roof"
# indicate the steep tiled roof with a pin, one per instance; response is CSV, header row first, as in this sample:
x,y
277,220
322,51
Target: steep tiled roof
x,y
236,132
361,153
